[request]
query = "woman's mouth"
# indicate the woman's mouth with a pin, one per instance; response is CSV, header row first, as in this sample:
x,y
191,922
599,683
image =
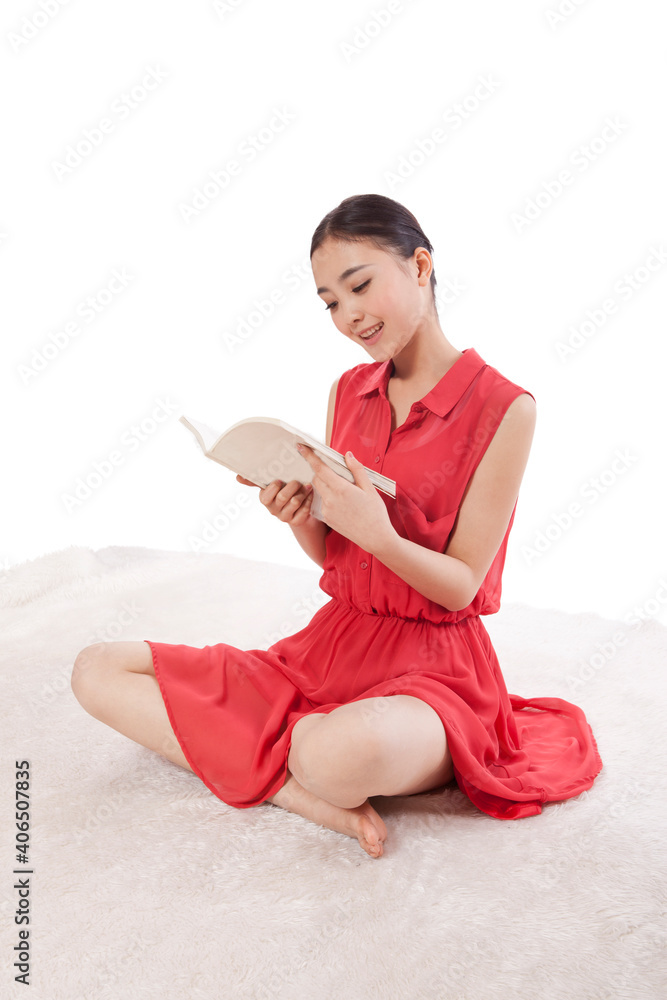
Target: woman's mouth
x,y
373,335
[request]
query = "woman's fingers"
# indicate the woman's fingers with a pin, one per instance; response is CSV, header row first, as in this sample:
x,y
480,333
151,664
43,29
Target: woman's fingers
x,y
290,502
268,494
302,513
283,500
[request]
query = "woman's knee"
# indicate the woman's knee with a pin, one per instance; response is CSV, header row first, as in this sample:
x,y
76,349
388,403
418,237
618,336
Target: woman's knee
x,y
337,748
86,671
102,663
101,658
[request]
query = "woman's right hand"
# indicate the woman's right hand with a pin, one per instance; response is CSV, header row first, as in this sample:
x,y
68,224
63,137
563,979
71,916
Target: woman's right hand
x,y
289,502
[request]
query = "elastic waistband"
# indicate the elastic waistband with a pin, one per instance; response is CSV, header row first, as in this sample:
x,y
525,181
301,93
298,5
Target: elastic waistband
x,y
382,614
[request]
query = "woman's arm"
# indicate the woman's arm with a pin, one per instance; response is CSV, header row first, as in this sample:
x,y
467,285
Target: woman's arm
x,y
310,535
453,578
310,532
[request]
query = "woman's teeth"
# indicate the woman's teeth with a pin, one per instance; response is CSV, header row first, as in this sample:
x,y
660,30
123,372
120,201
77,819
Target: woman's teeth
x,y
372,333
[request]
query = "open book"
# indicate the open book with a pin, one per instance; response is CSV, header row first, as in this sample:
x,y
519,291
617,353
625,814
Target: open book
x,y
262,449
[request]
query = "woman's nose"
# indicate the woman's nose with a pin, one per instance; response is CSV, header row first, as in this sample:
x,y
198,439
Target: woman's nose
x,y
353,316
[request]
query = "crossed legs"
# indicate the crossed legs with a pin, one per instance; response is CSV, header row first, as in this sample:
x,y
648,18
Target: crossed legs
x,y
394,745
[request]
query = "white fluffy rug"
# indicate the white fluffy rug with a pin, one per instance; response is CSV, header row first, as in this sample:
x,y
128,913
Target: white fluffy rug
x,y
147,886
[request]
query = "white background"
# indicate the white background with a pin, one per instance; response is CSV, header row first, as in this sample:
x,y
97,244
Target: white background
x,y
361,97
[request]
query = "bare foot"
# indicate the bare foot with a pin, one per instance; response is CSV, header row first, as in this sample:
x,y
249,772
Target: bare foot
x,y
369,829
362,822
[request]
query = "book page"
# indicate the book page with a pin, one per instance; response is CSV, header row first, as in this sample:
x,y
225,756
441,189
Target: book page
x,y
262,449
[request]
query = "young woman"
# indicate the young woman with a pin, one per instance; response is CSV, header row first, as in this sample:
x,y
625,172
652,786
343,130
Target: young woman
x,y
393,688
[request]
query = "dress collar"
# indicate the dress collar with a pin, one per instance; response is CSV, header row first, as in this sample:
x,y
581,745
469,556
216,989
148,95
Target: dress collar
x,y
443,396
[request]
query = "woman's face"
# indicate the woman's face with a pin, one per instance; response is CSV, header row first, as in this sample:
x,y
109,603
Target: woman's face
x,y
381,292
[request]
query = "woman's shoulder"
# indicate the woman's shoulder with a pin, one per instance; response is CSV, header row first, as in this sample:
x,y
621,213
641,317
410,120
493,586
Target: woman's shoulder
x,y
494,383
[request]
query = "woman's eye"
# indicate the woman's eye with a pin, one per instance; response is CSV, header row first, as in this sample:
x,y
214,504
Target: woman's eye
x,y
357,289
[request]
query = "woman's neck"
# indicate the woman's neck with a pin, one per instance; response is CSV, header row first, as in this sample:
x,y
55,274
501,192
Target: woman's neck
x,y
426,358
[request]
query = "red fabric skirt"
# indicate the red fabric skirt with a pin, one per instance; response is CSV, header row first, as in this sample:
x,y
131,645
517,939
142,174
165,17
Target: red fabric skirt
x,y
233,710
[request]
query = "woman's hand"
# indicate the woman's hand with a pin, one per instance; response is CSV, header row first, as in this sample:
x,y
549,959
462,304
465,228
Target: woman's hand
x,y
289,502
355,510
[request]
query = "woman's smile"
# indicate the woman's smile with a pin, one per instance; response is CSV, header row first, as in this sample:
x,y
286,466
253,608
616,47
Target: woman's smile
x,y
373,335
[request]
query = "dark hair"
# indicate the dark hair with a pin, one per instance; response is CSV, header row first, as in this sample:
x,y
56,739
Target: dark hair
x,y
383,221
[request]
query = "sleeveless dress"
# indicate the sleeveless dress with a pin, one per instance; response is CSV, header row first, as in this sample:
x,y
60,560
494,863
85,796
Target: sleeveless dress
x,y
233,710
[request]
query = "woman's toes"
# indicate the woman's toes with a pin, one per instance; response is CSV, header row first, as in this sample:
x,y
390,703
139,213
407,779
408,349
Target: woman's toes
x,y
369,837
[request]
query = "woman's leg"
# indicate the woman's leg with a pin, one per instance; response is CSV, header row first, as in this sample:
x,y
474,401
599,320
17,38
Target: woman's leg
x,y
390,745
115,682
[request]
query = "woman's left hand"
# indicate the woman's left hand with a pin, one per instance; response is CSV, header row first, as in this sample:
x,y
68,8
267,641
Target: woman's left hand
x,y
355,510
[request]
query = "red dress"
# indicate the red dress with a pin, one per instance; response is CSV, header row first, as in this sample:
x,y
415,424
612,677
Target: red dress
x,y
233,710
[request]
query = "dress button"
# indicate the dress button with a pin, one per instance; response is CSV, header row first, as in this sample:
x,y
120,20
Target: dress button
x,y
377,458
364,565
